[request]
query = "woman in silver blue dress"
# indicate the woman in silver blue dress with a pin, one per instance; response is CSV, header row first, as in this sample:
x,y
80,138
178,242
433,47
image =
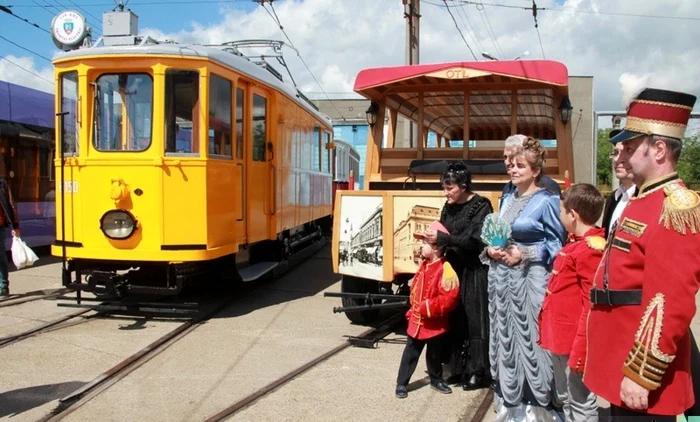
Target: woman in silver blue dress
x,y
518,277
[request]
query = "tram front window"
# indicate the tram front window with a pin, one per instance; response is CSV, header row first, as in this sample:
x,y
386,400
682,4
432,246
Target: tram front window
x,y
123,112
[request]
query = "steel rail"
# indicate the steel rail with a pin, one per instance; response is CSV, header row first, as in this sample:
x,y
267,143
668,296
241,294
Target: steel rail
x,y
92,389
30,297
381,330
6,341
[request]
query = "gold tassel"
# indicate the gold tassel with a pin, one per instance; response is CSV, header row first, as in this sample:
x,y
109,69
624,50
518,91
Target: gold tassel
x,y
680,209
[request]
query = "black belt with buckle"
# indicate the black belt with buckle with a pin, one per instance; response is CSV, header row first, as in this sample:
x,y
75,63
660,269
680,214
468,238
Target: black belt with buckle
x,y
616,297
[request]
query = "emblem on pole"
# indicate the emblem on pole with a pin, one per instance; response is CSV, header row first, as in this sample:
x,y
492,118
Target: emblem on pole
x,y
68,30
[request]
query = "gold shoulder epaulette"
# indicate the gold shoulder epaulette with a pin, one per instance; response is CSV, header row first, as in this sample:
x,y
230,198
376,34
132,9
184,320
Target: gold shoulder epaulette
x,y
449,277
680,209
596,242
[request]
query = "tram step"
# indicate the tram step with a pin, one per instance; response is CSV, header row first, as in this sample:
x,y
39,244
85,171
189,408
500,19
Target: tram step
x,y
256,271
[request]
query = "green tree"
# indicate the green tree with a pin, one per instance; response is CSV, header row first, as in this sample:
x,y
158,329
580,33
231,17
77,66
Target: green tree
x,y
603,160
688,164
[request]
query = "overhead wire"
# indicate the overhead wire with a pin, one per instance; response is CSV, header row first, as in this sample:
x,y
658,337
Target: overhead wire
x,y
11,13
463,3
468,24
489,28
534,16
459,30
277,20
26,49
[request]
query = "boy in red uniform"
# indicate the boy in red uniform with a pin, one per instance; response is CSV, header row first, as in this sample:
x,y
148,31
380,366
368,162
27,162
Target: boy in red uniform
x,y
566,302
434,293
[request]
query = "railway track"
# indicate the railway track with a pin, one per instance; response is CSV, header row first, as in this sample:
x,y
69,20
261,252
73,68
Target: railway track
x,y
92,389
14,300
368,338
44,328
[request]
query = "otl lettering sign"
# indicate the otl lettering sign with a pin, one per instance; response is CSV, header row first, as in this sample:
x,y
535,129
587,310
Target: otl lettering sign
x,y
457,73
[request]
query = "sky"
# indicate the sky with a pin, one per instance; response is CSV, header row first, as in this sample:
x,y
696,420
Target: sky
x,y
338,38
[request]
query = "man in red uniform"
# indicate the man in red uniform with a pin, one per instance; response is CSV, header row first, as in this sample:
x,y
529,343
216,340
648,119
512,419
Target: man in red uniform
x,y
643,295
434,294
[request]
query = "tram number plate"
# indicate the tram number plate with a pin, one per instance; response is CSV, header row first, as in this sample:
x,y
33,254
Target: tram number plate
x,y
71,186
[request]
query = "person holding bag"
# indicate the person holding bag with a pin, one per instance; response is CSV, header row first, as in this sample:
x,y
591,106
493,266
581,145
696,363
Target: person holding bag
x,y
8,217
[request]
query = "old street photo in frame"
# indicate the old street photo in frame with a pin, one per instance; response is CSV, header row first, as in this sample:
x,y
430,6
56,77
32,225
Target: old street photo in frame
x,y
361,245
412,214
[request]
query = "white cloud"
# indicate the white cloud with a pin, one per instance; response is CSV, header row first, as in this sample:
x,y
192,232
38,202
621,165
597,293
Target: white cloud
x,y
23,71
338,38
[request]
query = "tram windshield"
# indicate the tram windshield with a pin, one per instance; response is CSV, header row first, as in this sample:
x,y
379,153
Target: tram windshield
x,y
123,112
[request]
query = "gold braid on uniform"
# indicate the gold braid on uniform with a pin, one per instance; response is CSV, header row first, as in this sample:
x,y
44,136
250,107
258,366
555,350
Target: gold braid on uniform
x,y
449,277
680,209
596,242
646,364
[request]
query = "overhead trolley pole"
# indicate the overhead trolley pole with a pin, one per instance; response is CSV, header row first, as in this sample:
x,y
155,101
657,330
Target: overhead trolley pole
x,y
412,16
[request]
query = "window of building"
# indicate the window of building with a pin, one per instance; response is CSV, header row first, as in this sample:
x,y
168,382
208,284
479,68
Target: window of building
x,y
181,112
219,117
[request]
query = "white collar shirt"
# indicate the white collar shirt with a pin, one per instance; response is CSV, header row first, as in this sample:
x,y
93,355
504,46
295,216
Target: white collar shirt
x,y
623,197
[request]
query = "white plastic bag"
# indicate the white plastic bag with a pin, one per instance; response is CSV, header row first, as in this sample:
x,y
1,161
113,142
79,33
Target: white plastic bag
x,y
19,254
31,256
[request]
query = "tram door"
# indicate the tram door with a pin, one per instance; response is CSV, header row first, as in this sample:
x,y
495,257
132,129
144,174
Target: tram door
x,y
258,174
239,160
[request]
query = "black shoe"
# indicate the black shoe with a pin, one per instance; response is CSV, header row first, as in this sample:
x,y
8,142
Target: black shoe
x,y
475,382
4,292
441,387
401,391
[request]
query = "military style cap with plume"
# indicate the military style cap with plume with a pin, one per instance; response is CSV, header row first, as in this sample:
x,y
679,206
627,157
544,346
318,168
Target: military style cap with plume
x,y
652,111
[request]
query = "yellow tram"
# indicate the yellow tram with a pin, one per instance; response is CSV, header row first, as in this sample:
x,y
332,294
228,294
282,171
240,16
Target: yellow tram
x,y
472,107
183,160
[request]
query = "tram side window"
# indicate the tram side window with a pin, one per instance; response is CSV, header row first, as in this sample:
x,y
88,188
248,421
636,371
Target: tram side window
x,y
181,112
219,117
326,152
259,127
316,151
69,104
240,96
123,112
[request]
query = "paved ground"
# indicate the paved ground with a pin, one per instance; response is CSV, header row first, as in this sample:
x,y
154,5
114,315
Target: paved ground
x,y
278,327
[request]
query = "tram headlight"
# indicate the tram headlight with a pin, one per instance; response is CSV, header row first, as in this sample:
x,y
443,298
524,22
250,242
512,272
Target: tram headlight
x,y
118,224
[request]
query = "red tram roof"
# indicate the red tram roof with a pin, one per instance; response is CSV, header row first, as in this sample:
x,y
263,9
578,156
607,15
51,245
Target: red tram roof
x,y
538,85
545,71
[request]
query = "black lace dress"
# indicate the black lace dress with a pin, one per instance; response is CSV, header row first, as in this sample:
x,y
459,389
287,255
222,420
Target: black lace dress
x,y
467,341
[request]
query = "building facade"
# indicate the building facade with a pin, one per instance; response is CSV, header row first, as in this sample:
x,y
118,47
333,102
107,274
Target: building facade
x,y
406,247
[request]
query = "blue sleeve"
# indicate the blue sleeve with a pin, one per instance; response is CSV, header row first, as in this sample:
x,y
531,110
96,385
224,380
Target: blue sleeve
x,y
554,232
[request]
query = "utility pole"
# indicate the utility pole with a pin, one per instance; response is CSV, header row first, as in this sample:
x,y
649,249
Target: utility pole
x,y
412,14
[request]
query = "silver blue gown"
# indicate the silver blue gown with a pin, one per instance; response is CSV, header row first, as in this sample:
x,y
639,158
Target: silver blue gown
x,y
521,369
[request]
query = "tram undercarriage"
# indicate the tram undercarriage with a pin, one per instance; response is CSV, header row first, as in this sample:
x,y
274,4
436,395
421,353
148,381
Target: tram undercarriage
x,y
121,280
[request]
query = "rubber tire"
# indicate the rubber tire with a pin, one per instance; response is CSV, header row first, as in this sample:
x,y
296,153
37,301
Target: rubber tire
x,y
350,284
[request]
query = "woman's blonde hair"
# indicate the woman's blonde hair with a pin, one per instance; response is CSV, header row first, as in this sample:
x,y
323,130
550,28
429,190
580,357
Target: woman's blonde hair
x,y
534,154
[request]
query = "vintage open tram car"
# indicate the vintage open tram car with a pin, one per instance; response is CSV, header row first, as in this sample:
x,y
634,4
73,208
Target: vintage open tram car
x,y
471,107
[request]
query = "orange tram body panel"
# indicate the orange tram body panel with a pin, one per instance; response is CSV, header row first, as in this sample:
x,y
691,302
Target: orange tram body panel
x,y
181,161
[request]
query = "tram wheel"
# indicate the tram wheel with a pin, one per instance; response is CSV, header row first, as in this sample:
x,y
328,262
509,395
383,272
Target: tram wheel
x,y
350,284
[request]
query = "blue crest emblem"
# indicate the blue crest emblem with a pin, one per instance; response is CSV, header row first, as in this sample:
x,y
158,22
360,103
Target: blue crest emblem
x,y
68,27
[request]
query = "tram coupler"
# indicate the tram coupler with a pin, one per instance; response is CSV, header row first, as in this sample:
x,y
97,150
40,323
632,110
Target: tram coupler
x,y
396,304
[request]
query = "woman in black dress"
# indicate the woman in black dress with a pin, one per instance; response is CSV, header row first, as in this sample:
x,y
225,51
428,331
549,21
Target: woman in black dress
x,y
468,337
